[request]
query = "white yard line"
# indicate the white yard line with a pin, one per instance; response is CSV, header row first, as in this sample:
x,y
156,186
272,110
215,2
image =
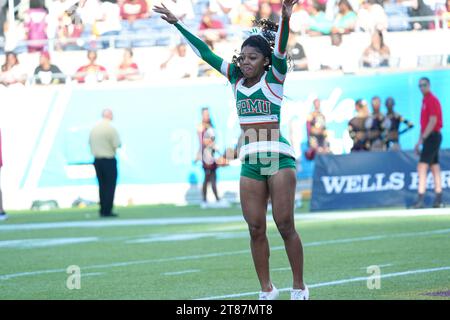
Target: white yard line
x,y
224,219
176,273
92,274
223,254
379,265
120,223
282,269
189,236
44,243
332,283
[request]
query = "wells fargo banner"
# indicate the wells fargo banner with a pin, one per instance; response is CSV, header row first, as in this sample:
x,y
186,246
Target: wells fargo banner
x,y
372,179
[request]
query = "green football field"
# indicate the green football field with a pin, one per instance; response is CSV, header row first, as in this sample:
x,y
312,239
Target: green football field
x,y
169,252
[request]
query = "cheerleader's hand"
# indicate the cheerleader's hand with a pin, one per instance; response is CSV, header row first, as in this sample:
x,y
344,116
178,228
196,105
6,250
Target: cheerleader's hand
x,y
166,14
287,8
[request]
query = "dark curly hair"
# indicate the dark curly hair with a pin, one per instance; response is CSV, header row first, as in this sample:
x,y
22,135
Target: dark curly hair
x,y
263,42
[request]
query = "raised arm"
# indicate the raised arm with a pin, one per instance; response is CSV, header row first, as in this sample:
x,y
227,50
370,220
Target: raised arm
x,y
279,61
200,48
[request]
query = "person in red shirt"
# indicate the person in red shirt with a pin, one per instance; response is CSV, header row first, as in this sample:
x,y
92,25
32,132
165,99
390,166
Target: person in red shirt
x,y
132,10
128,70
430,139
211,28
91,72
3,215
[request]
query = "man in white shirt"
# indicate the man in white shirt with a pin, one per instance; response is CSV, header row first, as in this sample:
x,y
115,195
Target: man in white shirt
x,y
180,64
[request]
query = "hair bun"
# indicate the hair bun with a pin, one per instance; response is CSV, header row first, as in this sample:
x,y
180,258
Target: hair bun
x,y
268,29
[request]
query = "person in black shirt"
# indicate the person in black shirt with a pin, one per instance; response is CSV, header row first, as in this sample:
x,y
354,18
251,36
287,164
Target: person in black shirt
x,y
374,126
420,9
47,73
391,125
357,126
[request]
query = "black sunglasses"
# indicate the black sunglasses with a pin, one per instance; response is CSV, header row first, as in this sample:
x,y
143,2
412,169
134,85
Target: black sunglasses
x,y
423,85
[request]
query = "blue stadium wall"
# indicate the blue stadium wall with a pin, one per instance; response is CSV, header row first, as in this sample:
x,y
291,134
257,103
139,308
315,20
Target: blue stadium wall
x,y
157,123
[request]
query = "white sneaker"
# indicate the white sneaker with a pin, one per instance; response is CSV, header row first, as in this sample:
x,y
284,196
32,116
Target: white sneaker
x,y
272,295
298,294
223,203
204,205
3,216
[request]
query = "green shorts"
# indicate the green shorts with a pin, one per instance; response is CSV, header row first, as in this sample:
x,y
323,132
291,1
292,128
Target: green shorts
x,y
262,166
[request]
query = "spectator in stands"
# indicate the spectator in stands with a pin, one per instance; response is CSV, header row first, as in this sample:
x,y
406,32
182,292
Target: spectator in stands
x,y
132,10
319,23
300,19
377,54
128,70
345,20
335,57
225,10
182,9
3,10
371,17
210,22
275,5
419,9
265,12
56,11
11,71
15,36
397,15
36,25
445,14
204,69
317,132
375,127
47,73
70,29
211,28
297,53
246,13
392,125
92,72
178,65
357,126
251,6
108,22
89,11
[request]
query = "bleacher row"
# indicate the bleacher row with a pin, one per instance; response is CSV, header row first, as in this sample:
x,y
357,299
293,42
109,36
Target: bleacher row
x,y
426,49
153,31
148,32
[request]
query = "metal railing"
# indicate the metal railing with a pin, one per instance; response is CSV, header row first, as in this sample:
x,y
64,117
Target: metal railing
x,y
78,77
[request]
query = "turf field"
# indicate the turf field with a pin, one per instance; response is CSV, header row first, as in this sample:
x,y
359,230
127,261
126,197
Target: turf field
x,y
168,252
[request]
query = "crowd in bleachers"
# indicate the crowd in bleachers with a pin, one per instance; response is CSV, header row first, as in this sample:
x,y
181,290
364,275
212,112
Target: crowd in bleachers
x,y
67,25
